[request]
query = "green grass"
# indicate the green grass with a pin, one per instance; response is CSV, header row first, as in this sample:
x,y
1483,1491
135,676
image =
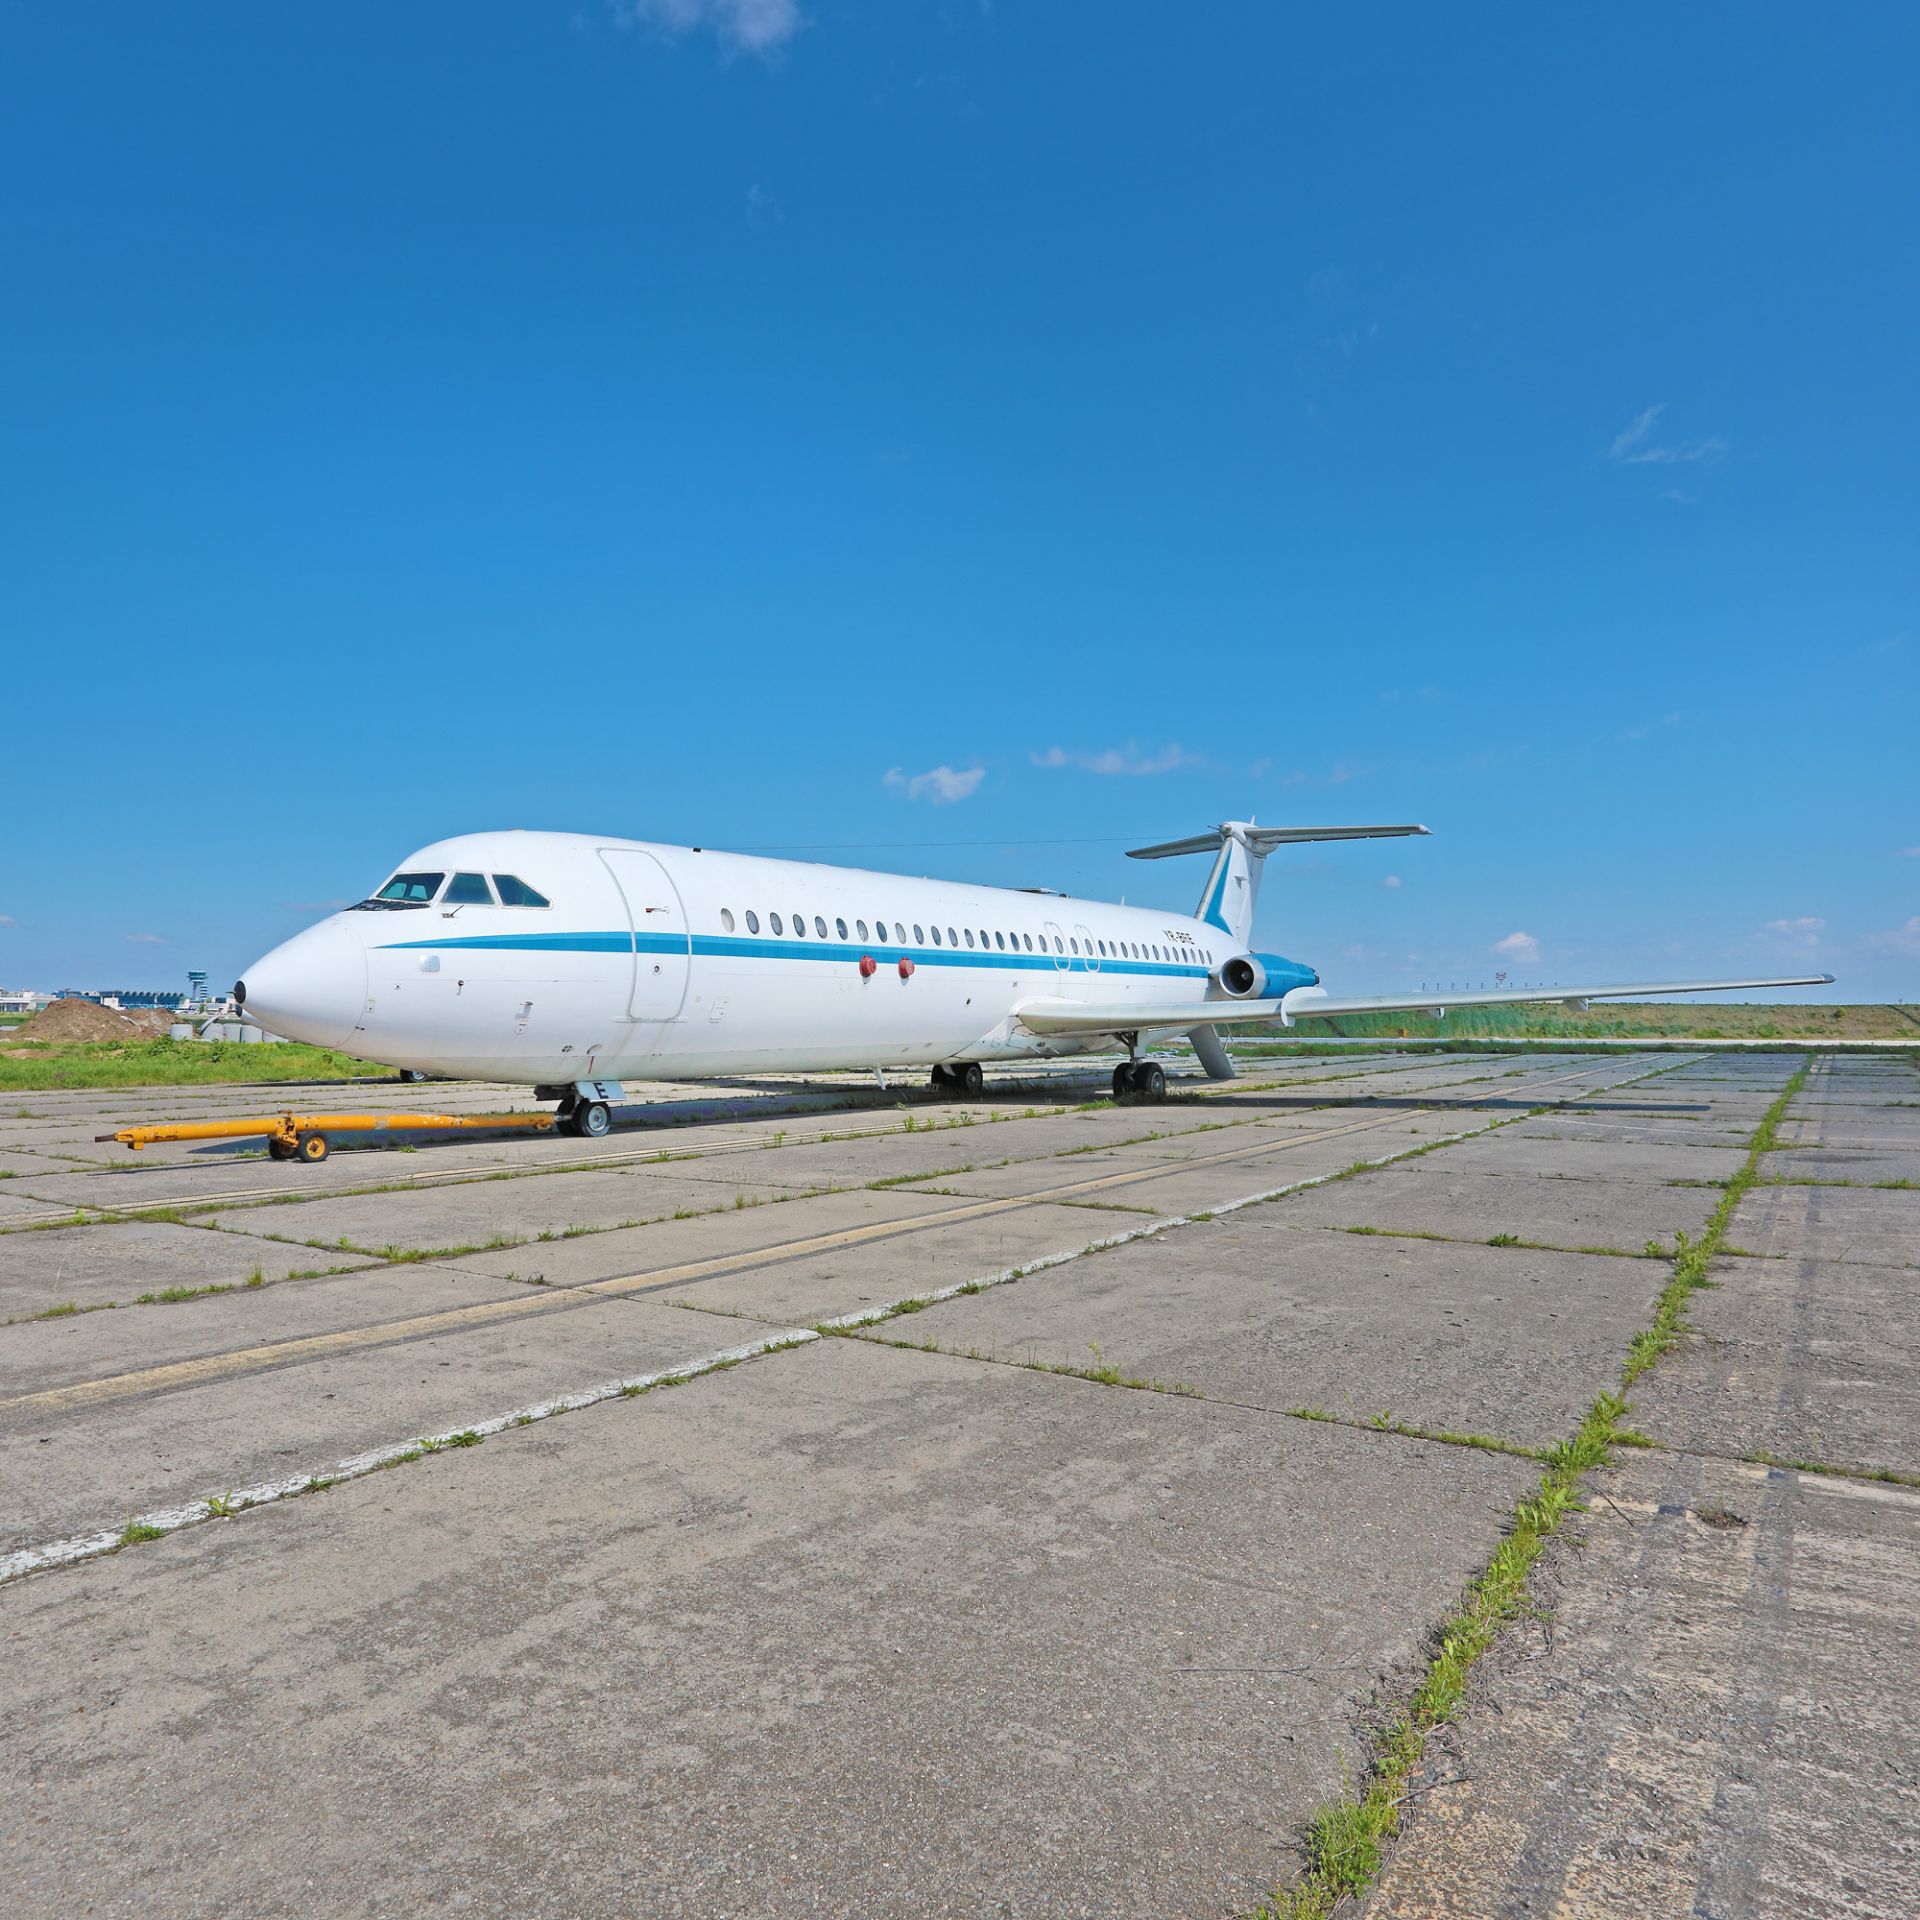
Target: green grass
x,y
38,1067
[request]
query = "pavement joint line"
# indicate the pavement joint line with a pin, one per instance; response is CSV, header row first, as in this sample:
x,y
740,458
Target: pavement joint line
x,y
208,1367
165,1520
1306,1416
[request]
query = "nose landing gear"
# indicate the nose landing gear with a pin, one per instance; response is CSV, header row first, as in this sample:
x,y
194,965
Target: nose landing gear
x,y
965,1079
586,1119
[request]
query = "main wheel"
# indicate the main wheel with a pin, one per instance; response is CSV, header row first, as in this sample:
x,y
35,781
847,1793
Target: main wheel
x,y
1123,1079
592,1121
940,1079
311,1147
969,1079
1150,1080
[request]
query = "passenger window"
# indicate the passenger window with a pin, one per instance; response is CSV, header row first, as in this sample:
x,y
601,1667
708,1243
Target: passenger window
x,y
415,889
999,940
1073,945
753,921
773,921
860,927
969,933
1057,947
1027,941
726,919
514,892
468,890
919,938
936,935
840,927
799,926
820,926
953,939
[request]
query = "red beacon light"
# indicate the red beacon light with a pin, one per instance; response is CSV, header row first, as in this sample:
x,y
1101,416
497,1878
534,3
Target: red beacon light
x,y
906,967
869,966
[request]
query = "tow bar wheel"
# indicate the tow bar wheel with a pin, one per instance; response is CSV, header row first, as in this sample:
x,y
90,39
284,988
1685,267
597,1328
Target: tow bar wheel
x,y
280,1149
311,1147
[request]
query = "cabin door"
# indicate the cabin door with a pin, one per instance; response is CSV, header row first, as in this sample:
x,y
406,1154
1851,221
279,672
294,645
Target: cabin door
x,y
662,940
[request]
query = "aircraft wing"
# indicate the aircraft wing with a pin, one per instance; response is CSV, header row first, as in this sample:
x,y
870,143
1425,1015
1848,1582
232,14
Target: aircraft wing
x,y
1308,1003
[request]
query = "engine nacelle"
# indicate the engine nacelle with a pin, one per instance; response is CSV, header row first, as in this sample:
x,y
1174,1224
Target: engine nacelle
x,y
1263,976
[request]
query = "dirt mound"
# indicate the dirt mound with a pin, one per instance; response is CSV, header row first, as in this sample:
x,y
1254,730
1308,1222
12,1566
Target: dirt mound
x,y
65,1021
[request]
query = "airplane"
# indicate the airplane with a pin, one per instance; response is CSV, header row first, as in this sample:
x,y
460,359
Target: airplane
x,y
572,963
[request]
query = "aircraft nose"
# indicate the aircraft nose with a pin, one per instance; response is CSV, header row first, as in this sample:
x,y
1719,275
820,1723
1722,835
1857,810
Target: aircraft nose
x,y
312,987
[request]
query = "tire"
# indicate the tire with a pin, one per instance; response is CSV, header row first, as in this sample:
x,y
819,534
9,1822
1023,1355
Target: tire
x,y
938,1079
1150,1081
279,1150
312,1148
1123,1080
969,1079
592,1120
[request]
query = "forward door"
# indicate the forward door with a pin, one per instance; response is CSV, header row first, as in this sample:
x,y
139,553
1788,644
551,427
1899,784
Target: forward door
x,y
662,940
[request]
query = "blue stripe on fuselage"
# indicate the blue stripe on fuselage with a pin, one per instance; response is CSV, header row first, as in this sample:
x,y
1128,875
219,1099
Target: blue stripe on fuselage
x,y
736,947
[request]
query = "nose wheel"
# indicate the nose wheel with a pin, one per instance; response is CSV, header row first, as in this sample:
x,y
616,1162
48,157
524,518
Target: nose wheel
x,y
966,1079
586,1119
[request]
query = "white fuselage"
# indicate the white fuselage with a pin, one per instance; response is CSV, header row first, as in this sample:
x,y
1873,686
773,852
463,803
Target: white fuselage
x,y
659,962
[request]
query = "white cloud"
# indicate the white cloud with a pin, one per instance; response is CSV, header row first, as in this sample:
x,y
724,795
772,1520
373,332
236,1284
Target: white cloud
x,y
1906,853
1635,446
7,920
1803,929
146,939
1127,759
1902,939
746,26
1392,880
1519,946
938,784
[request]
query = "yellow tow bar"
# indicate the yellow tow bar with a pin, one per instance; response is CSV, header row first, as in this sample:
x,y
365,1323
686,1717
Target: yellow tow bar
x,y
303,1136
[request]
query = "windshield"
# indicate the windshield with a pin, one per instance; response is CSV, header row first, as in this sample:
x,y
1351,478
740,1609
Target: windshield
x,y
405,890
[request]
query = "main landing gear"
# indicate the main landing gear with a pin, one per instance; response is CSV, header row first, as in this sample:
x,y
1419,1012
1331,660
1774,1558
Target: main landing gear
x,y
1140,1080
965,1079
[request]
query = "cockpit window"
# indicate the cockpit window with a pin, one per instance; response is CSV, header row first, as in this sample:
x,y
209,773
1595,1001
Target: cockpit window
x,y
411,889
468,890
514,892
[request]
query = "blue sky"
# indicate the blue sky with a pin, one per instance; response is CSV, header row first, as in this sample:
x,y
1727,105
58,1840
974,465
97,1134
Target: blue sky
x,y
970,439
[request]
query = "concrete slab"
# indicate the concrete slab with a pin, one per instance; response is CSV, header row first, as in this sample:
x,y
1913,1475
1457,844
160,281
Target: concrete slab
x,y
1510,1343
842,1632
1864,1166
51,1353
668,1243
1830,1223
473,1213
943,1253
1800,1359
1708,1716
1426,1197
1509,1152
89,1266
73,1470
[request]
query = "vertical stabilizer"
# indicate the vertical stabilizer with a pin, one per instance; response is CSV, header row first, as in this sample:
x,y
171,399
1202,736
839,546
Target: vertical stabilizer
x,y
1233,886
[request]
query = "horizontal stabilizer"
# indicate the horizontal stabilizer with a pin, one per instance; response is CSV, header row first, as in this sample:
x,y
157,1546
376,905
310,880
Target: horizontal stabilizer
x,y
1308,1003
1263,840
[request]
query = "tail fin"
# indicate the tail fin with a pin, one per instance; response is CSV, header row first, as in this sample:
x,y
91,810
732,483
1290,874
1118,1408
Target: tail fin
x,y
1240,852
